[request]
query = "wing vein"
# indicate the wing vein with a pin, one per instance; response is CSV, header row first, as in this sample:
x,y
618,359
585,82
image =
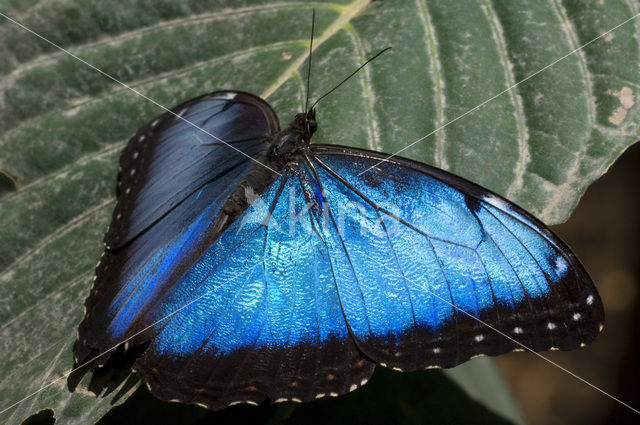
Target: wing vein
x,y
344,248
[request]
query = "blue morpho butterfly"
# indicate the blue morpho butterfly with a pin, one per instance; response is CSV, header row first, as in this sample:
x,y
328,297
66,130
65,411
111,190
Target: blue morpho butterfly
x,y
270,268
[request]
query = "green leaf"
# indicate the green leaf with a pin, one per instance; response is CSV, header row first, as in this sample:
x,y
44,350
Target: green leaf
x,y
62,124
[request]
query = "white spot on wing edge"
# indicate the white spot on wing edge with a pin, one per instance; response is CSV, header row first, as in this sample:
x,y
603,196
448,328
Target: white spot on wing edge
x,y
228,95
590,300
496,202
353,387
561,265
364,381
321,395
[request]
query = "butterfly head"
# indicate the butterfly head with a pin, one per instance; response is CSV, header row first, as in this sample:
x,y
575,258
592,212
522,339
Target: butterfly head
x,y
297,137
312,124
305,125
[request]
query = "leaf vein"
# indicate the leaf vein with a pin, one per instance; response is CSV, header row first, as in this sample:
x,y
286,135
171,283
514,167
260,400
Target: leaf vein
x,y
435,65
514,96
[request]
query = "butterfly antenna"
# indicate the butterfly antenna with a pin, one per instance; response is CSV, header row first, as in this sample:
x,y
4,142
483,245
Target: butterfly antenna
x,y
351,75
313,24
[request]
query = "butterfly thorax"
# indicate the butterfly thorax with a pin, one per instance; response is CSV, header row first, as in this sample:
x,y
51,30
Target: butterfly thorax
x,y
284,149
288,144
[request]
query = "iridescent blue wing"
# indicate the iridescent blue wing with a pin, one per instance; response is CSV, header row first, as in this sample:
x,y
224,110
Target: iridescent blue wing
x,y
253,315
435,270
171,173
257,316
233,313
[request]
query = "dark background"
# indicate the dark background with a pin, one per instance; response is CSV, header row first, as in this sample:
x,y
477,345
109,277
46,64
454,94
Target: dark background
x,y
604,232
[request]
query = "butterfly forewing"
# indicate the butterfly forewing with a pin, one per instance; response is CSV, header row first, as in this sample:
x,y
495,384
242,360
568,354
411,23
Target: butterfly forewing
x,y
173,174
177,153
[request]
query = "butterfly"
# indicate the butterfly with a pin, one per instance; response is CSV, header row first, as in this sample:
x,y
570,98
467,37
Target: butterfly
x,y
256,266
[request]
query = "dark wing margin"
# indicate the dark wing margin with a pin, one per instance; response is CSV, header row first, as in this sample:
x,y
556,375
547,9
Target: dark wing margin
x,y
473,273
299,373
168,159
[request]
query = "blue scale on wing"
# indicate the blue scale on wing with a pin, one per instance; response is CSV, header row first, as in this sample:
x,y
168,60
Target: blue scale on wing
x,y
428,246
258,314
146,265
257,286
549,258
520,257
423,274
145,285
350,293
538,264
212,293
375,285
381,302
303,302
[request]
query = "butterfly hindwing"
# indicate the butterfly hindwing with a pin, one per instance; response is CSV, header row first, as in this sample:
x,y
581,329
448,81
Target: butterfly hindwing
x,y
257,316
245,315
430,252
